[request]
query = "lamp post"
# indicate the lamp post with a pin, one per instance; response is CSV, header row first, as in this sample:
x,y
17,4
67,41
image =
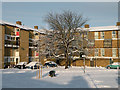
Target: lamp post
x,y
83,56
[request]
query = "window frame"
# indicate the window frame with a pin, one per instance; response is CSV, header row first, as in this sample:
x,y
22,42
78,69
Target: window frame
x,y
102,35
119,52
108,43
102,52
118,34
96,35
113,34
114,52
96,52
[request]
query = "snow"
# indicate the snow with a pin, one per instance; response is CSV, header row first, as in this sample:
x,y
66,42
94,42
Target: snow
x,y
32,64
102,28
51,62
22,27
74,77
21,63
116,63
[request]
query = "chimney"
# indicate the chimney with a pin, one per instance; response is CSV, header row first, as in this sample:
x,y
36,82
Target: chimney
x,y
118,24
86,25
19,22
35,27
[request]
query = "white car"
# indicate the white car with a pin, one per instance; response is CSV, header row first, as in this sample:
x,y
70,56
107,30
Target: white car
x,y
33,65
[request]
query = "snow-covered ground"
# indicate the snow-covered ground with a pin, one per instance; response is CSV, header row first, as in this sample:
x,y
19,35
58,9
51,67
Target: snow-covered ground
x,y
65,78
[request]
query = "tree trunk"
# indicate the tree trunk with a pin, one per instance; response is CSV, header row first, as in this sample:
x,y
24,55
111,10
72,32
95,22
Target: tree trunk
x,y
69,61
66,63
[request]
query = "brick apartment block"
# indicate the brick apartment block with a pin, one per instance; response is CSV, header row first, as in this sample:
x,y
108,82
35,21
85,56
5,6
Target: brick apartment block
x,y
17,44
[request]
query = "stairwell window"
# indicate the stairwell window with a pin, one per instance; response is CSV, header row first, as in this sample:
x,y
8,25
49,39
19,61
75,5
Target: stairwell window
x,y
102,35
113,34
96,35
96,52
114,52
102,52
118,34
119,52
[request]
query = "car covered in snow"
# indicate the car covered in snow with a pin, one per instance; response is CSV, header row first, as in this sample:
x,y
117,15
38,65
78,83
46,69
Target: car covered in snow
x,y
21,65
50,64
115,65
33,65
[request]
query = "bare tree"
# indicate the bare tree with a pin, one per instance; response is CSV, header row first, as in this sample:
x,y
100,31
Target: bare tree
x,y
64,27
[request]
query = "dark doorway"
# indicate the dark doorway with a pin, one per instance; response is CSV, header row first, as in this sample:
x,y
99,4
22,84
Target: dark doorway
x,y
92,63
16,60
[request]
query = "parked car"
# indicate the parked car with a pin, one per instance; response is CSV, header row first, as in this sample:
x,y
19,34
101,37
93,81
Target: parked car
x,y
115,65
6,66
21,65
33,65
50,64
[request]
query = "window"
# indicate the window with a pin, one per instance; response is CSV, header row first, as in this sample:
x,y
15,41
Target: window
x,y
85,35
8,37
5,60
11,59
114,52
96,35
119,52
102,52
96,52
17,29
102,35
36,33
118,34
12,38
107,43
91,43
113,34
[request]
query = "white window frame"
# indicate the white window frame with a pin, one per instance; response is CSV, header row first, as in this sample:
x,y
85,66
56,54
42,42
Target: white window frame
x,y
114,52
96,52
113,34
16,30
96,35
119,34
102,35
119,52
13,38
102,52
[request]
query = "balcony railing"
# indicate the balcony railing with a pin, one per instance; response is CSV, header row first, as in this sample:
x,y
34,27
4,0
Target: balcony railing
x,y
11,43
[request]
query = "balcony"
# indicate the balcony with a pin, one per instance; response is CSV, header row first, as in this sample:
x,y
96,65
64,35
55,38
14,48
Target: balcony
x,y
11,43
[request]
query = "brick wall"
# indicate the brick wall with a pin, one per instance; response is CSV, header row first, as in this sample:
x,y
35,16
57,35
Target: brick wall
x,y
2,32
24,46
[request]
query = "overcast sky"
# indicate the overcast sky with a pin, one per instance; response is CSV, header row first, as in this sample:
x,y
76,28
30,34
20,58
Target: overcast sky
x,y
33,13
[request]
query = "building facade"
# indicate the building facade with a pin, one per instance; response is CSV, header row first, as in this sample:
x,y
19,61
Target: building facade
x,y
21,44
18,43
105,47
